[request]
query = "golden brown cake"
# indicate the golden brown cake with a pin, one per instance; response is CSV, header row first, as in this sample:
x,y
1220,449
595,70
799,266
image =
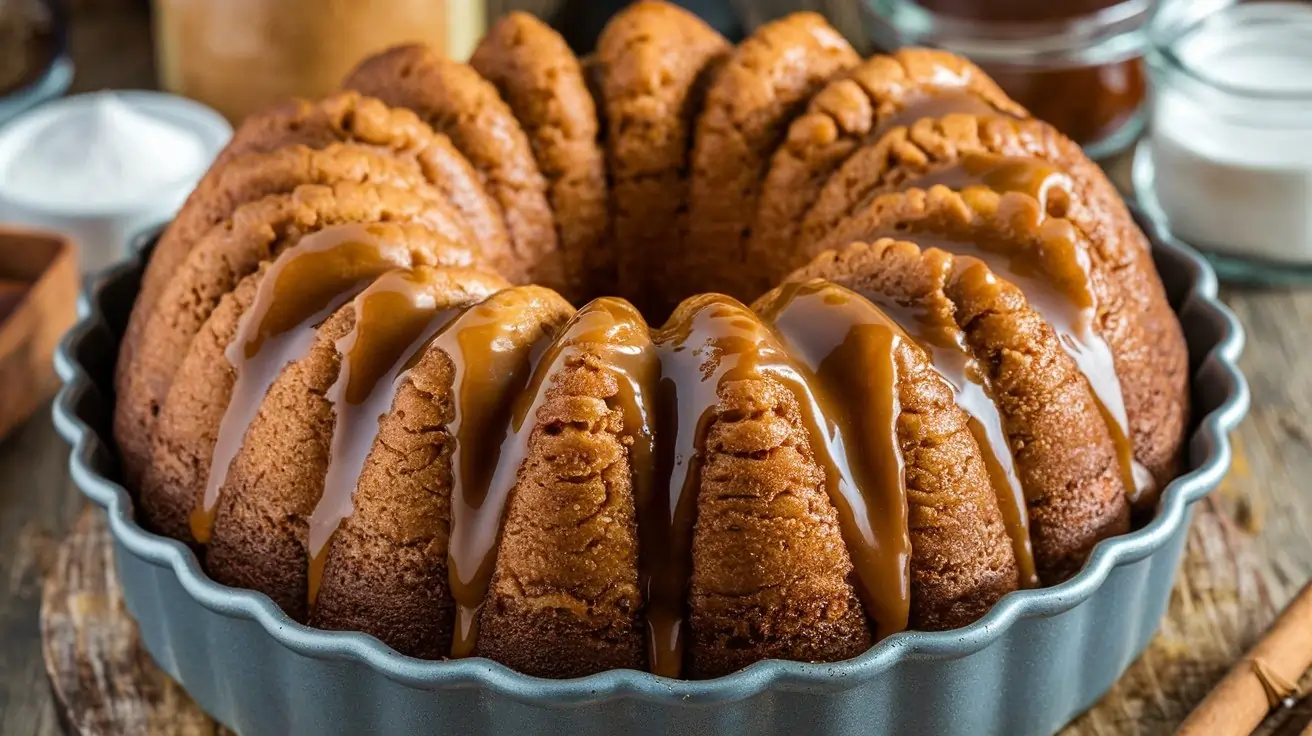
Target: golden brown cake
x,y
543,83
853,111
457,101
398,382
760,89
1107,303
654,62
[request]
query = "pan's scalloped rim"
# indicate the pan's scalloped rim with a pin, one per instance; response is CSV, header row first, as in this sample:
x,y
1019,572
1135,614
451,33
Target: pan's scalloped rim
x,y
1210,443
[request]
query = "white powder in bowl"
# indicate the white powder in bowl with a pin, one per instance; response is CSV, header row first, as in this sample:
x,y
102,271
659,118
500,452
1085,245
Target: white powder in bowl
x,y
101,155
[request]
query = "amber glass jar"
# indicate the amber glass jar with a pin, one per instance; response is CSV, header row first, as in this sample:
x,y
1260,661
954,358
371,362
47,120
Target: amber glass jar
x,y
1078,64
240,55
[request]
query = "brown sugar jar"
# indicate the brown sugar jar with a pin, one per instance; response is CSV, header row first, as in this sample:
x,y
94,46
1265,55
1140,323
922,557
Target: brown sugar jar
x,y
1078,64
238,56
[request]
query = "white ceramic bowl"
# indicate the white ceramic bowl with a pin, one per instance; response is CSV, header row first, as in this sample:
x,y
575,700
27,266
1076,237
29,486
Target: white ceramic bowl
x,y
102,232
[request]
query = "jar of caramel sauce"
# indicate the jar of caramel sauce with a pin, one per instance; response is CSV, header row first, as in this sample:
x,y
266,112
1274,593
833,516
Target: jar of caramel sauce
x,y
238,56
1078,64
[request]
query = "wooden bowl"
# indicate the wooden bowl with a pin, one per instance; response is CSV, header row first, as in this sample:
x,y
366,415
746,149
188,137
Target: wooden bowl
x,y
46,263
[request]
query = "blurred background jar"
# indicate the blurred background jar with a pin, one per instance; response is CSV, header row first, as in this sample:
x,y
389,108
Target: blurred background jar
x,y
28,42
34,63
238,56
1079,64
581,21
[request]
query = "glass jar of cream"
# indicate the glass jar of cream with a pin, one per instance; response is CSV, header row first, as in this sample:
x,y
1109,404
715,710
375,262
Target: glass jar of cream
x,y
1227,163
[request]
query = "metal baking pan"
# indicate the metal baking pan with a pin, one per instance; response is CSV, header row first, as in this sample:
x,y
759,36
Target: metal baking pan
x,y
1037,660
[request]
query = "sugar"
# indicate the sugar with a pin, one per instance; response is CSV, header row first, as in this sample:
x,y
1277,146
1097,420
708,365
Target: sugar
x,y
101,155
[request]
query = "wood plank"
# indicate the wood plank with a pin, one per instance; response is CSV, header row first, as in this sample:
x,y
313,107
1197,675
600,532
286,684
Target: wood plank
x,y
103,680
37,505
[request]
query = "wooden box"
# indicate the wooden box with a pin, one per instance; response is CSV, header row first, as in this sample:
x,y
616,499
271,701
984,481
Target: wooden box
x,y
47,263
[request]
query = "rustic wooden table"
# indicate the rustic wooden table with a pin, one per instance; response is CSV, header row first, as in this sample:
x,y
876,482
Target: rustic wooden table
x,y
1249,550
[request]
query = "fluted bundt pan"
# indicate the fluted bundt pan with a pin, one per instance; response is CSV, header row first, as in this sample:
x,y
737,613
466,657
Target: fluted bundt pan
x,y
1035,661
402,365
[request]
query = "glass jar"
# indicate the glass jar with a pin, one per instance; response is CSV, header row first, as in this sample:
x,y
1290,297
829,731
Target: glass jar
x,y
30,39
238,56
1078,64
1227,163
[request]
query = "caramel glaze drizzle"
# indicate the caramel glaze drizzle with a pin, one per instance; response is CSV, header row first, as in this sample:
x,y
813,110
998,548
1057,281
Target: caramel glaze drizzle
x,y
490,370
394,317
303,286
709,340
938,333
1055,278
1045,182
669,383
848,348
947,97
611,329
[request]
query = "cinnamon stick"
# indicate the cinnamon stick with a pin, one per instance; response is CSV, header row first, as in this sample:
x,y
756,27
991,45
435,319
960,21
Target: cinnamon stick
x,y
1263,679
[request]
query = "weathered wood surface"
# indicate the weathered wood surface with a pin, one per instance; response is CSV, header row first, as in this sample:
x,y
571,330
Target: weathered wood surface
x,y
102,679
37,505
1249,550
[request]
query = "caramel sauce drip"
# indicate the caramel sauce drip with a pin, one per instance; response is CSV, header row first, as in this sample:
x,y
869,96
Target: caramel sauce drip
x,y
394,318
946,97
303,286
1055,276
938,333
1044,181
847,349
709,340
490,370
669,385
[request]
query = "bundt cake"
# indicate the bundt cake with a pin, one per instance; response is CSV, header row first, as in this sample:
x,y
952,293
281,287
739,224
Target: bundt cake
x,y
374,371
